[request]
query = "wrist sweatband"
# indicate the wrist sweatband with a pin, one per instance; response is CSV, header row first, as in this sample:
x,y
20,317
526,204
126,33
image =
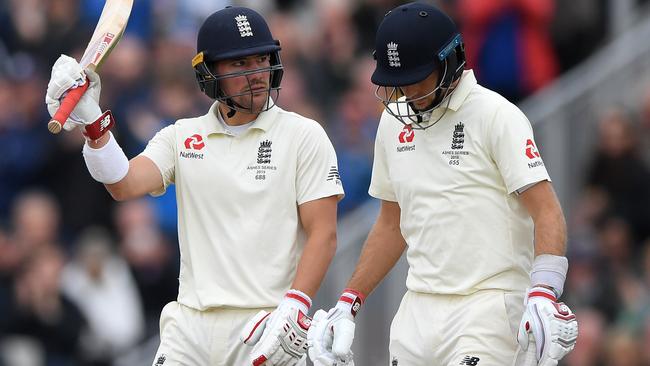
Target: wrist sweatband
x,y
351,301
550,270
108,164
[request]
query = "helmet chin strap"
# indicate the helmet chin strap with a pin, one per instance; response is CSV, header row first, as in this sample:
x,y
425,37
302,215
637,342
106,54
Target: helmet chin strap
x,y
429,108
231,105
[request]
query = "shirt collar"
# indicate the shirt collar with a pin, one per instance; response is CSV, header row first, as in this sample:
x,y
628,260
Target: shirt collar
x,y
211,123
462,90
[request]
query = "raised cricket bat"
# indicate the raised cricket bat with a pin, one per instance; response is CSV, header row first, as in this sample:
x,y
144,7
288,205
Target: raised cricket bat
x,y
107,33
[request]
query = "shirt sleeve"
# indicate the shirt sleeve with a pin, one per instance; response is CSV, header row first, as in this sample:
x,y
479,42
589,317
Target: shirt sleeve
x,y
381,186
317,173
514,150
161,149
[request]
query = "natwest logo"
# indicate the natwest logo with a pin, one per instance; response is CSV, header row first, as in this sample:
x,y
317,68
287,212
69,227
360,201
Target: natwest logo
x,y
195,142
531,150
406,135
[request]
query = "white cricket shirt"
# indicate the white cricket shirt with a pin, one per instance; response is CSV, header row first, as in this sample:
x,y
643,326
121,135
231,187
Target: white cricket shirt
x,y
465,228
238,226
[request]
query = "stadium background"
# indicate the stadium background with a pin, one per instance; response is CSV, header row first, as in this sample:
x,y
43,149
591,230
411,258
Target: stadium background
x,y
75,260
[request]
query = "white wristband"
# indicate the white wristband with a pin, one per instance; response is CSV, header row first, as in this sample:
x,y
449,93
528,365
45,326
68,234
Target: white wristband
x,y
108,164
550,270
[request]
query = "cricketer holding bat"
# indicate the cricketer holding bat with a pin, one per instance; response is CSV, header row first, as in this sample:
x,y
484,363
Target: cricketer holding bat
x,y
257,189
464,190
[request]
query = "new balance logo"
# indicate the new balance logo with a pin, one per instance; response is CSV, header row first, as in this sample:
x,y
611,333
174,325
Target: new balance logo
x,y
105,122
334,174
470,361
243,26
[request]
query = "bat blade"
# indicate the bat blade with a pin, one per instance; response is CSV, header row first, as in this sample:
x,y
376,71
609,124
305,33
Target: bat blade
x,y
110,27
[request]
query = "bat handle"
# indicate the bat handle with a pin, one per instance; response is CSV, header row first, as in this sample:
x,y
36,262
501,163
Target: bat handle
x,y
67,106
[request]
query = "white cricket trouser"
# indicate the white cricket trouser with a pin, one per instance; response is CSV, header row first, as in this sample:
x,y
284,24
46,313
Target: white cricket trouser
x,y
444,330
190,337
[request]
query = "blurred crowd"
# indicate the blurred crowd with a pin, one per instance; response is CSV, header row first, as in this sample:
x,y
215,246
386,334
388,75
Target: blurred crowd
x,y
83,278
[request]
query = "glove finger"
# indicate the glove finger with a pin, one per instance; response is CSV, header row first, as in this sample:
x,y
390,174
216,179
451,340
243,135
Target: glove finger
x,y
95,87
316,330
87,110
253,330
523,334
320,358
66,74
525,358
316,335
325,359
343,337
318,351
56,88
318,316
286,360
52,105
547,361
92,76
67,67
70,125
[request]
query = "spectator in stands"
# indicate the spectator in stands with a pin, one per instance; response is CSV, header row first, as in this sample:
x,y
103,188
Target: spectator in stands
x,y
509,44
101,285
152,260
41,312
618,169
622,349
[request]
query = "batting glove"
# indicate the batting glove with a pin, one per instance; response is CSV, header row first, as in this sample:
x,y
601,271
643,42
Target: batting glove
x,y
279,337
67,74
549,324
331,334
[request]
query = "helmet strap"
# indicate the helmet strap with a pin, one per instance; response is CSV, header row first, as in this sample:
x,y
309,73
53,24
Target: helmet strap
x,y
231,106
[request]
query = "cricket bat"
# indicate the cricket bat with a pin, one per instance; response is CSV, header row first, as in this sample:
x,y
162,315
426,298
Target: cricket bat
x,y
108,32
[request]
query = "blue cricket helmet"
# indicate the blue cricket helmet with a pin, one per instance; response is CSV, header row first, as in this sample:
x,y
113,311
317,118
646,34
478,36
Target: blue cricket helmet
x,y
231,33
235,32
412,41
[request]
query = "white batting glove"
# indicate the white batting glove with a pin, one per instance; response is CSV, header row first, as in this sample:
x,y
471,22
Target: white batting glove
x,y
68,74
279,337
549,324
331,334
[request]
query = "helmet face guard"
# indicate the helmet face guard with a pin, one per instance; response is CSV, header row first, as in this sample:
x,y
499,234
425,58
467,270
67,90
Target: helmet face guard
x,y
405,57
452,62
210,84
234,33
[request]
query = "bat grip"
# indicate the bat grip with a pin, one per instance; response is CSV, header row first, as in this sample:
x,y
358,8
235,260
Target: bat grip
x,y
67,106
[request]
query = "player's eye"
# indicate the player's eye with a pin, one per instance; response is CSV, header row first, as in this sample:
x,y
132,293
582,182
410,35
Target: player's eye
x,y
263,58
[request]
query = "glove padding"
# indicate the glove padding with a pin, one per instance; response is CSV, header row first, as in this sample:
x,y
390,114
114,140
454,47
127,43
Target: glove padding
x,y
326,349
68,74
331,334
549,324
278,338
